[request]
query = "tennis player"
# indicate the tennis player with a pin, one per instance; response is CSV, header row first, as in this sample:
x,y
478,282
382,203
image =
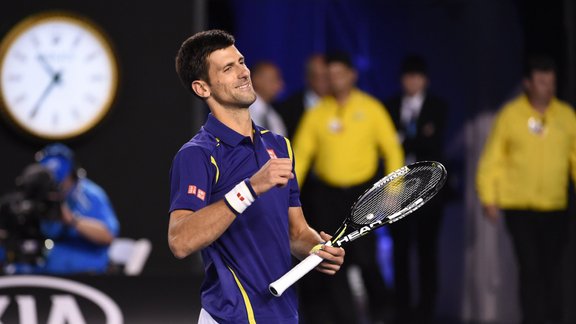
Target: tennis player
x,y
234,196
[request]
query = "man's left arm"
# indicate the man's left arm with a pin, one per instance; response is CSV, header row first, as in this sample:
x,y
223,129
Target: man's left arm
x,y
303,239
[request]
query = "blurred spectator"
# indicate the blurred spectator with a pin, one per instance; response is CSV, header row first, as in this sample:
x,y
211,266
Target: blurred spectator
x,y
316,87
293,108
268,83
524,172
420,119
87,224
343,140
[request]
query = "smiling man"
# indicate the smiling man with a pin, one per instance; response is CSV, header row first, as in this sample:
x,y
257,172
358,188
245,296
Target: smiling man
x,y
234,196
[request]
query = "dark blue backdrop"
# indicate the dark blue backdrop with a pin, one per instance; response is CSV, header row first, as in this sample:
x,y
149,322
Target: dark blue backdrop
x,y
474,48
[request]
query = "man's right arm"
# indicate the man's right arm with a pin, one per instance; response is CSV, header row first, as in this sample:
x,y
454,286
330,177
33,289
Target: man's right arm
x,y
191,231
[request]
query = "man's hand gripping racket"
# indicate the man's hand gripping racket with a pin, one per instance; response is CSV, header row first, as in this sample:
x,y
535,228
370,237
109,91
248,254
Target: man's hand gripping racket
x,y
387,201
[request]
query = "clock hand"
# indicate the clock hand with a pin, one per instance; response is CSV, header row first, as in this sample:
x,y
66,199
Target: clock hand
x,y
55,80
47,67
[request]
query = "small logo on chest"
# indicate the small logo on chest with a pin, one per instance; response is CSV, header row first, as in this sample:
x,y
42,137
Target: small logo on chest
x,y
272,153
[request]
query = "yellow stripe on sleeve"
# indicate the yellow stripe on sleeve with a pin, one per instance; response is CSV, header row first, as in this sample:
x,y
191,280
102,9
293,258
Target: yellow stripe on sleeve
x,y
290,154
213,160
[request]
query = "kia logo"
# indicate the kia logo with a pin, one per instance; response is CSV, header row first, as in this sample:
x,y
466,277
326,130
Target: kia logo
x,y
63,308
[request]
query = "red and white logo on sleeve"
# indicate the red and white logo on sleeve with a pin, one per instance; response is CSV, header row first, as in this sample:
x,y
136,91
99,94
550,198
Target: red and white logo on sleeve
x,y
201,194
195,191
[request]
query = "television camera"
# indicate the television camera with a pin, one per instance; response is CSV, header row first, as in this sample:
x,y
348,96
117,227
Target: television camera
x,y
35,198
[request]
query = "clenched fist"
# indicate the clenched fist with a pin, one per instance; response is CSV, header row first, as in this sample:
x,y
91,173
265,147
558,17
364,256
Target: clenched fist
x,y
276,172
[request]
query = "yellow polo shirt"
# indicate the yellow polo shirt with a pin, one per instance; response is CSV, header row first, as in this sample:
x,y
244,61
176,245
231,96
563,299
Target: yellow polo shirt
x,y
528,158
344,143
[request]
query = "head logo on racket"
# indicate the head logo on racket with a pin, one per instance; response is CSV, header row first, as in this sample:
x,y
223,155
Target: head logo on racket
x,y
390,199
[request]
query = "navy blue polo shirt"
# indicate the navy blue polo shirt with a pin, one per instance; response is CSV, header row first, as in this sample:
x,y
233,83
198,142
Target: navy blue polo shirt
x,y
255,249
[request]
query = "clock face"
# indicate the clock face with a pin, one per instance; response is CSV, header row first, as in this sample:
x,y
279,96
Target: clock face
x,y
58,76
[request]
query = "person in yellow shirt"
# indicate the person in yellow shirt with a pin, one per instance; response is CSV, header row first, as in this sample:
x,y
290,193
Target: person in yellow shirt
x,y
524,172
343,141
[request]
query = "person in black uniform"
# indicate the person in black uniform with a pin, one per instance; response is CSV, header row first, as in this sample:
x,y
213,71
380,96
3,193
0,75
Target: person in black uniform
x,y
316,87
420,119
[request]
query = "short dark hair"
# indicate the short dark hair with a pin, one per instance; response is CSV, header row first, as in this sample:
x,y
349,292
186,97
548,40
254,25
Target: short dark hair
x,y
540,63
414,64
339,57
191,60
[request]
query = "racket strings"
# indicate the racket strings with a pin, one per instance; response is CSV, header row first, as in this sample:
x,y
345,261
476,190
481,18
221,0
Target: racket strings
x,y
390,198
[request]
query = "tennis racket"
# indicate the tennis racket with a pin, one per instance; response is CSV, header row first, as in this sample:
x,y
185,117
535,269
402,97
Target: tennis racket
x,y
390,199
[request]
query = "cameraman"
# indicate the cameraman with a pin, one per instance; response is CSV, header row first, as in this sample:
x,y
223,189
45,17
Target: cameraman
x,y
87,224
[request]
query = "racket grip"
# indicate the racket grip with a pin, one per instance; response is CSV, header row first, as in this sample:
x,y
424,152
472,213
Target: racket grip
x,y
290,277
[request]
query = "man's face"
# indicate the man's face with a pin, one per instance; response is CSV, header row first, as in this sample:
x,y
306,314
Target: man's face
x,y
318,76
230,84
268,83
413,83
341,77
541,86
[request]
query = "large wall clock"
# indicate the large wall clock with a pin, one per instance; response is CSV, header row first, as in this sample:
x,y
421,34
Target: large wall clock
x,y
59,75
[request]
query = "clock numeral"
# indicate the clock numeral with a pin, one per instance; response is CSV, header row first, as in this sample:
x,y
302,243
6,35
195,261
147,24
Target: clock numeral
x,y
14,78
56,39
20,56
90,98
35,41
77,40
91,56
55,119
97,78
21,98
75,113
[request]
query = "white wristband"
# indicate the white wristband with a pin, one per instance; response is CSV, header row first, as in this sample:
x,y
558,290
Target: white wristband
x,y
240,197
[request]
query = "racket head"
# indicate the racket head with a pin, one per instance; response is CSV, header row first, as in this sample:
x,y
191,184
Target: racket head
x,y
398,194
